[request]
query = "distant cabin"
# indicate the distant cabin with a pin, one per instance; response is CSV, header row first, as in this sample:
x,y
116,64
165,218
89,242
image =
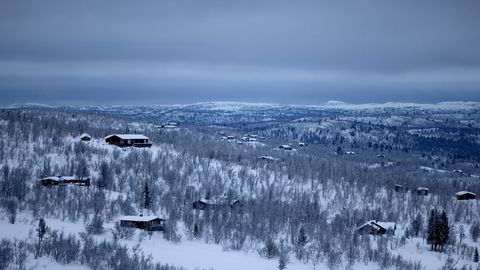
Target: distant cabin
x,y
267,157
459,172
301,144
64,180
204,204
285,147
85,137
148,223
127,140
230,137
374,227
381,156
399,188
422,191
168,125
465,195
248,139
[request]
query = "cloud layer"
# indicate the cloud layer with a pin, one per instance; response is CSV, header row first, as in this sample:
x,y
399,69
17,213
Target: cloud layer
x,y
276,51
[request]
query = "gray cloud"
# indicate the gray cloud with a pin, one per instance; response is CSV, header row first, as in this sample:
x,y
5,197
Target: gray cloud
x,y
279,51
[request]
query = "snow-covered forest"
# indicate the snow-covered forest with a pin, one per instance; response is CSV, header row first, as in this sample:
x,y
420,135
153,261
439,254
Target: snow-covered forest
x,y
297,209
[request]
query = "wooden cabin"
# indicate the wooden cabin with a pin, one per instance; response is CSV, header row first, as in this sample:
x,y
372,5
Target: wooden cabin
x,y
465,195
204,204
285,147
301,144
128,140
422,191
85,137
267,158
148,223
399,188
381,156
64,180
459,172
374,227
167,125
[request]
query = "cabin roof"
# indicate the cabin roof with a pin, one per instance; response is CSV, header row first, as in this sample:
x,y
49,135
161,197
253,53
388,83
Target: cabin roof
x,y
139,218
129,136
218,200
59,178
267,157
461,193
422,188
85,135
377,225
285,146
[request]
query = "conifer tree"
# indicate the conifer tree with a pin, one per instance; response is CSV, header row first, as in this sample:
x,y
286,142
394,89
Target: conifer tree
x,y
432,230
41,231
302,237
147,200
444,229
475,256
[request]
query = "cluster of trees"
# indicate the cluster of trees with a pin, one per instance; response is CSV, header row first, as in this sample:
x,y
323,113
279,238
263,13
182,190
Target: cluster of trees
x,y
438,230
68,249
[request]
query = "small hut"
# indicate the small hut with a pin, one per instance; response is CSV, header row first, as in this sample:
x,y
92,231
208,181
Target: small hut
x,y
148,223
374,227
267,158
216,203
465,195
422,191
85,137
285,147
399,188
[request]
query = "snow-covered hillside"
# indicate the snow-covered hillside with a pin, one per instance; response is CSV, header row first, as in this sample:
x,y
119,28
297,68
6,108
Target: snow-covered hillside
x,y
302,207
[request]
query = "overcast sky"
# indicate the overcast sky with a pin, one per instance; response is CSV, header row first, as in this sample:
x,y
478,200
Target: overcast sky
x,y
304,52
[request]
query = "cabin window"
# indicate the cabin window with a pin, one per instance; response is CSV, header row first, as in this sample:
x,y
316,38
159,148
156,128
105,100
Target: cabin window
x,y
128,141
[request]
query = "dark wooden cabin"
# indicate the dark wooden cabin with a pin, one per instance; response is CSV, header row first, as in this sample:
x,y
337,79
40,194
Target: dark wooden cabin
x,y
127,140
64,180
399,188
200,204
374,227
465,195
422,191
148,223
85,137
204,204
285,147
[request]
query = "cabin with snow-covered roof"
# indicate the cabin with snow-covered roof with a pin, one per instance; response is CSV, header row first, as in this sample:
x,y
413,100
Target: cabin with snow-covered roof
x,y
399,188
64,180
267,157
285,147
149,223
127,140
422,191
374,227
216,203
465,195
85,137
